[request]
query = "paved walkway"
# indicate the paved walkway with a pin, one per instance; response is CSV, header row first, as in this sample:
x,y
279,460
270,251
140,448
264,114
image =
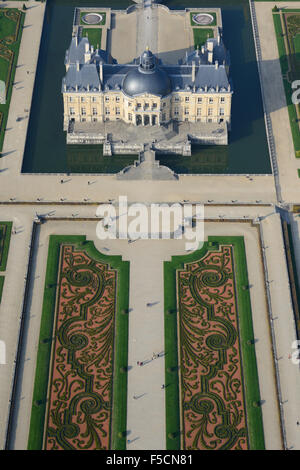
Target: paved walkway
x,y
147,29
275,101
284,327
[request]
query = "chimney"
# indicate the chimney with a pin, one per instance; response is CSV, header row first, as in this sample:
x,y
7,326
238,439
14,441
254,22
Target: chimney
x,y
77,65
219,39
87,57
193,71
101,71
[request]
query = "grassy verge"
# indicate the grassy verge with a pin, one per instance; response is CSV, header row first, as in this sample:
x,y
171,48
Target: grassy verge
x,y
1,286
119,408
287,86
4,244
201,35
4,108
94,36
250,376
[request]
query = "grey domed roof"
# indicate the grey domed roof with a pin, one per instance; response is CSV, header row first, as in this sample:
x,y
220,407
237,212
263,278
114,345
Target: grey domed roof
x,y
147,78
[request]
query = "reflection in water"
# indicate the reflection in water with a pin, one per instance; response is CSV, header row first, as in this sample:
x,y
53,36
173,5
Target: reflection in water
x,y
90,159
46,149
204,159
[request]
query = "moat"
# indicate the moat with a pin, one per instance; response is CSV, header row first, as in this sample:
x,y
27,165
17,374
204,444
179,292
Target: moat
x,y
46,150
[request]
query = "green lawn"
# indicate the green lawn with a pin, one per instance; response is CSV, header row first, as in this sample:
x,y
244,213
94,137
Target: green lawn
x,y
7,69
251,384
5,234
287,85
193,23
119,398
201,35
83,13
94,36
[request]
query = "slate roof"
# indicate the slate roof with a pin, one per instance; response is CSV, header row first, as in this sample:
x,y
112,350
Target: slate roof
x,y
208,77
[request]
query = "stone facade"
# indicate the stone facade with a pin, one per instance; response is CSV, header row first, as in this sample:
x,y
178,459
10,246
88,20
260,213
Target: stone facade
x,y
146,92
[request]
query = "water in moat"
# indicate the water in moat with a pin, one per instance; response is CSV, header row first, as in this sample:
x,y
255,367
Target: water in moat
x,y
46,150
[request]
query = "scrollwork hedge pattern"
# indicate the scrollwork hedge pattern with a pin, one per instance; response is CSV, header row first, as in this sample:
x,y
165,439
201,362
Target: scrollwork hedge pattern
x,y
212,396
81,378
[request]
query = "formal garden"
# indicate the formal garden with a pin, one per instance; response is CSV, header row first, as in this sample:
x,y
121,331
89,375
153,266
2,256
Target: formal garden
x,y
287,29
80,390
11,24
212,394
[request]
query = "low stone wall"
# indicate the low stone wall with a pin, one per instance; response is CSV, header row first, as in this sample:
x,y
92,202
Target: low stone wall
x,y
122,148
178,149
210,140
85,138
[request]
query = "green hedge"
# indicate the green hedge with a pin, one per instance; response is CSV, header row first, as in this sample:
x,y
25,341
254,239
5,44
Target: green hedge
x,y
4,108
119,409
250,376
1,286
4,244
